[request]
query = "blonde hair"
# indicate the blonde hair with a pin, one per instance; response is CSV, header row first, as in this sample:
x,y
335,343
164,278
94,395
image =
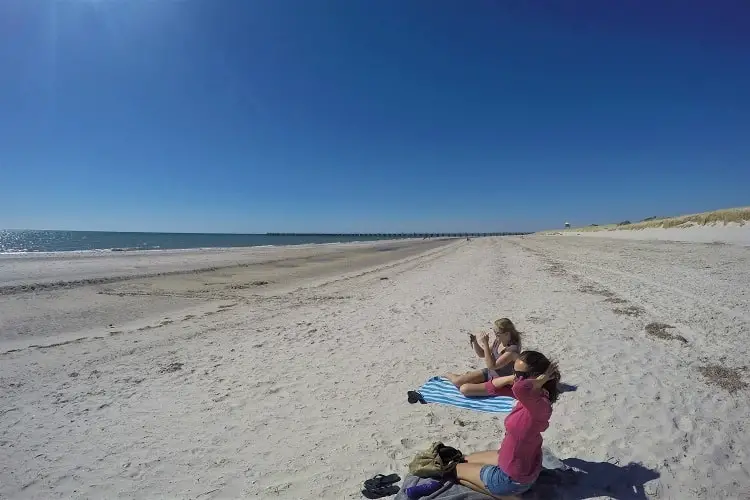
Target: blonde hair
x,y
504,325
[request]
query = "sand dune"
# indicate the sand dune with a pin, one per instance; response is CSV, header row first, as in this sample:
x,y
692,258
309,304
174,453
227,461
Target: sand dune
x,y
298,391
734,234
731,226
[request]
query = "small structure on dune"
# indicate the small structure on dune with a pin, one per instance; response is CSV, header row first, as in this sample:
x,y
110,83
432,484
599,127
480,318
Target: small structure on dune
x,y
567,225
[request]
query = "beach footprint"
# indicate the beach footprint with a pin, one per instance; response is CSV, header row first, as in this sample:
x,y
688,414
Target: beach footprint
x,y
684,424
407,443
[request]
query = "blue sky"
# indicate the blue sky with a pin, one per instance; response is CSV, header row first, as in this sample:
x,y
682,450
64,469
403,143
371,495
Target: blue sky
x,y
387,115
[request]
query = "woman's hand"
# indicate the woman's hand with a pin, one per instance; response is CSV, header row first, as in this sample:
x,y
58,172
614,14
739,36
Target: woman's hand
x,y
484,339
550,373
478,349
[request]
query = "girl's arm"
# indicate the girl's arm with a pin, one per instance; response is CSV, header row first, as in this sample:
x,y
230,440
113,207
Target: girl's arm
x,y
489,358
499,382
549,374
505,358
529,393
477,348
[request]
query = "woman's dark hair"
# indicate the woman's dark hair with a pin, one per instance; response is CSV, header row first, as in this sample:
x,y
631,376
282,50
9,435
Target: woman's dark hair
x,y
538,364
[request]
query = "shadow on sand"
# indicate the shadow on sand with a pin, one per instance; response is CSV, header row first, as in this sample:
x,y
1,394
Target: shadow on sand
x,y
569,479
576,479
563,387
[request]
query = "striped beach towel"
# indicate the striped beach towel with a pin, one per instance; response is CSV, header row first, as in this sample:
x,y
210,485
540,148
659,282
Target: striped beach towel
x,y
441,390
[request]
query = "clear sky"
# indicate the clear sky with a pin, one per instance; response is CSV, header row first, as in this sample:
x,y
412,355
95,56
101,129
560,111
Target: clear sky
x,y
369,115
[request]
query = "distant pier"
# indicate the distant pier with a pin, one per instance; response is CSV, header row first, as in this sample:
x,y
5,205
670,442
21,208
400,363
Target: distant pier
x,y
398,235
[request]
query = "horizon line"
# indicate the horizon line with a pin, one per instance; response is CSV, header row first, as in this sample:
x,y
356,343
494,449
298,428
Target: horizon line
x,y
281,233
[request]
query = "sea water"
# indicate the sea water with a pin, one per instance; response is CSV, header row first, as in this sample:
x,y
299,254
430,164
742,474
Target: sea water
x,y
17,241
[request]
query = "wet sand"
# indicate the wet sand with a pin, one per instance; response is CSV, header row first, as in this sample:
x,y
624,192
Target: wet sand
x,y
53,298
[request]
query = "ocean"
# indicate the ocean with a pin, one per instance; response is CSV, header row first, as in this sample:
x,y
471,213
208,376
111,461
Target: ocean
x,y
19,241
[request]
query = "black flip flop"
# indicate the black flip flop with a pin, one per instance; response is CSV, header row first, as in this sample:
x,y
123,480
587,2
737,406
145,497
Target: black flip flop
x,y
380,492
381,480
415,397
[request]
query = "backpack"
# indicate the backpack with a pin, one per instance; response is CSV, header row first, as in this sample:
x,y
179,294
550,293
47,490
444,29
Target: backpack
x,y
438,461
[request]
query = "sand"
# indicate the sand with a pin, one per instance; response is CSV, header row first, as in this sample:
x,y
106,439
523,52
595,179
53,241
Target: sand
x,y
211,386
731,233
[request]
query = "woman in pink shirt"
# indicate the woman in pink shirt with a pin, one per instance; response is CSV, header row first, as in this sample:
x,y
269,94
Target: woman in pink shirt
x,y
513,469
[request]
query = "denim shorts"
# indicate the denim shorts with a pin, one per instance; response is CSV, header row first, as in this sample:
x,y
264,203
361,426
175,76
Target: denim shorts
x,y
498,483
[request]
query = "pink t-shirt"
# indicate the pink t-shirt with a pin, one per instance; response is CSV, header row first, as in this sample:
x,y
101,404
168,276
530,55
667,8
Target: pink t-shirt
x,y
520,453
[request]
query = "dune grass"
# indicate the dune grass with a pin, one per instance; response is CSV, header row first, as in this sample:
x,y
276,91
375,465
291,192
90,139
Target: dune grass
x,y
736,215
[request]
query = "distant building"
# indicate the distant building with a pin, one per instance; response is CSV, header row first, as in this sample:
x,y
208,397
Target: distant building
x,y
567,224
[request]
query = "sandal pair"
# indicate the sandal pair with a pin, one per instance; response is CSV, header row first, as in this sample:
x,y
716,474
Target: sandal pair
x,y
381,486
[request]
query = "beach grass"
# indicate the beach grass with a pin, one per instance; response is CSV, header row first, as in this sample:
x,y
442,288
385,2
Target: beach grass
x,y
725,216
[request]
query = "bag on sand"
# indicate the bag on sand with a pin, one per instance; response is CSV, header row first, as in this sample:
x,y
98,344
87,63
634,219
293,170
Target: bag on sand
x,y
438,461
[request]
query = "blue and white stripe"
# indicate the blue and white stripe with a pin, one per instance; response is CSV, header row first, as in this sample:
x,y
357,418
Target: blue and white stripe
x,y
441,390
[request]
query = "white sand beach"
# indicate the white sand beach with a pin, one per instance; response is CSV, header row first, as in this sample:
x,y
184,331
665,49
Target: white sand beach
x,y
282,373
725,226
731,233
